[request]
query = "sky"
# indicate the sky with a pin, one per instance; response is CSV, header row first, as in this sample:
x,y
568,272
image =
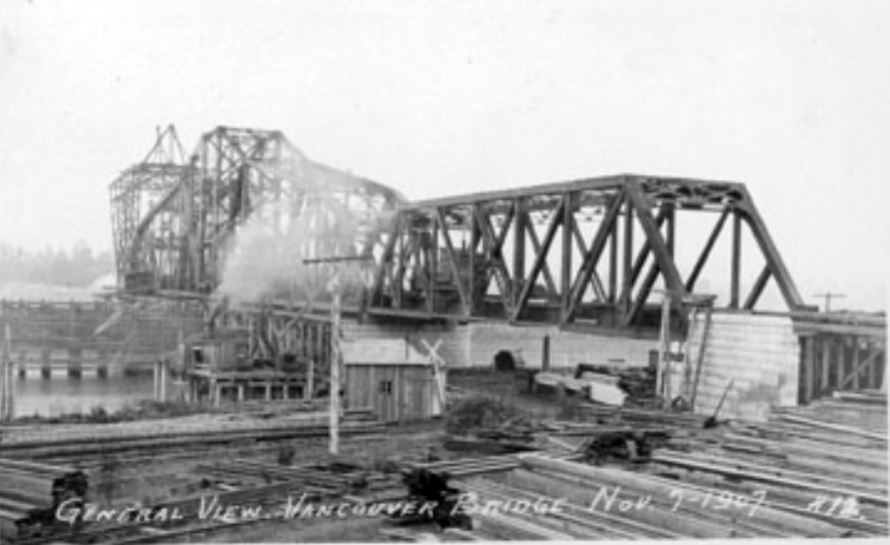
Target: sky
x,y
440,98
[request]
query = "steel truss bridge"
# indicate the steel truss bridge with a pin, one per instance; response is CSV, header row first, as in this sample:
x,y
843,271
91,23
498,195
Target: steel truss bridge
x,y
173,218
582,254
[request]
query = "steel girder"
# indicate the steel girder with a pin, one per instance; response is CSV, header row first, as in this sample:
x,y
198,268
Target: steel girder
x,y
136,195
174,220
524,254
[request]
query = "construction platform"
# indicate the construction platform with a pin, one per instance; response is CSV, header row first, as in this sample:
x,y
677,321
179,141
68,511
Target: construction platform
x,y
216,387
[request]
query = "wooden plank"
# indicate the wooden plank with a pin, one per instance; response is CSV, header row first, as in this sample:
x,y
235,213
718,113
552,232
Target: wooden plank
x,y
727,470
691,520
784,507
557,521
871,486
595,527
579,495
834,427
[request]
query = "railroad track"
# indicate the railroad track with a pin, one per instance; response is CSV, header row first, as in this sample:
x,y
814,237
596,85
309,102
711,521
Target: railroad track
x,y
146,445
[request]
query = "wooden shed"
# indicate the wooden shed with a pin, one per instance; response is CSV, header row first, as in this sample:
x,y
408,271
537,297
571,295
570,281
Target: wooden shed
x,y
393,379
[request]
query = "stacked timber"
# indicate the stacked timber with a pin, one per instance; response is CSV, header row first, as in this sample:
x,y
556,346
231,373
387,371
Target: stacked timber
x,y
185,424
826,461
866,411
566,499
330,479
470,466
31,492
638,416
135,439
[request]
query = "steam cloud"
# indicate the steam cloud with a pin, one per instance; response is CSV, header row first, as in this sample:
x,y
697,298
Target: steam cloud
x,y
264,257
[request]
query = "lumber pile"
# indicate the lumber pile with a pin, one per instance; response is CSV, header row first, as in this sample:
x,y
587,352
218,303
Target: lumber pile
x,y
141,440
175,425
826,461
31,492
469,466
638,416
595,430
548,498
329,479
814,471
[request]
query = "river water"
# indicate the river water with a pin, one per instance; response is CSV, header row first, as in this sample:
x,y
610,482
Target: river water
x,y
62,395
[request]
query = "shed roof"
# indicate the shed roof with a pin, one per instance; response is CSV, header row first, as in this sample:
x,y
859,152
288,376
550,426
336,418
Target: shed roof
x,y
382,352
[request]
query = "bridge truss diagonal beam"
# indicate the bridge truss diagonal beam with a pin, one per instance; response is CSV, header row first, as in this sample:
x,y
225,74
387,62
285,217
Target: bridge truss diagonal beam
x,y
607,229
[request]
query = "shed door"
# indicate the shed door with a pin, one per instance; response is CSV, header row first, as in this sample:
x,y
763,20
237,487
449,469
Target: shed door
x,y
386,393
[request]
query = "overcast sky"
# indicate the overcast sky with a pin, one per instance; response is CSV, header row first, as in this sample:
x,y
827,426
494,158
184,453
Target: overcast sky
x,y
437,98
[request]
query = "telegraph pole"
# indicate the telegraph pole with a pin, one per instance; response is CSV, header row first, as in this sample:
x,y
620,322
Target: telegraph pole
x,y
828,296
7,386
336,354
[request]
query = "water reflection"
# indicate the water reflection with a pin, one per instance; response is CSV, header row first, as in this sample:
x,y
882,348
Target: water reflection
x,y
63,395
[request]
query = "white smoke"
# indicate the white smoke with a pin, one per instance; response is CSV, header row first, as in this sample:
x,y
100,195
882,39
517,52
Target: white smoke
x,y
264,256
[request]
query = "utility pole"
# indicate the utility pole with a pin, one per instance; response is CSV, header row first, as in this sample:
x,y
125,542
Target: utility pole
x,y
336,354
828,296
7,386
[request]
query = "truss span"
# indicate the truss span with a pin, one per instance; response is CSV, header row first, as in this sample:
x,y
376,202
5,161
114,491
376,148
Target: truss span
x,y
588,252
174,218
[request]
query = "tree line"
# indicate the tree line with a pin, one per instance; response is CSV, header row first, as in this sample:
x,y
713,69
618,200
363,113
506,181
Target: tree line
x,y
77,266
